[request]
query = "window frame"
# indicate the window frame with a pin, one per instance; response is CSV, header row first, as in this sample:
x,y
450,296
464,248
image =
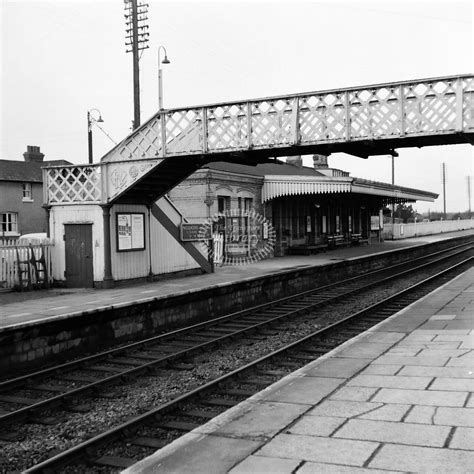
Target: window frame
x,y
7,221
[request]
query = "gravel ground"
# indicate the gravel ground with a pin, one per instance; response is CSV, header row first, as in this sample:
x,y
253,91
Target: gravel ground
x,y
38,442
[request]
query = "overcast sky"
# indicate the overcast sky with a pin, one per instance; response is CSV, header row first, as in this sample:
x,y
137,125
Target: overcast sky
x,y
60,58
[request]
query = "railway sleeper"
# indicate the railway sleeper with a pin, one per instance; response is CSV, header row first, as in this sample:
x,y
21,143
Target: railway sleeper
x,y
114,461
105,368
148,442
272,373
304,357
208,415
49,388
259,382
178,425
11,436
290,364
181,366
78,378
222,402
238,392
43,420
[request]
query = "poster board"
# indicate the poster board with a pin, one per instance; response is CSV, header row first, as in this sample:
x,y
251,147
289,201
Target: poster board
x,y
130,231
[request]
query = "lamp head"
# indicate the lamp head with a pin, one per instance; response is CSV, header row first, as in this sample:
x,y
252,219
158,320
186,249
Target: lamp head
x,y
166,60
99,119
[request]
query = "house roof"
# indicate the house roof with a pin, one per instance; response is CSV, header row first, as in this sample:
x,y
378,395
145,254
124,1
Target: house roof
x,y
288,179
11,170
277,168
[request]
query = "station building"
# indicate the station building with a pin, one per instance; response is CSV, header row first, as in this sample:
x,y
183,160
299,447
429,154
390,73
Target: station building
x,y
304,205
249,212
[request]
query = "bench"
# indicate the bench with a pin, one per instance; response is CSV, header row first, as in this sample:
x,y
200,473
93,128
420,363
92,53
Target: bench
x,y
306,249
337,241
356,239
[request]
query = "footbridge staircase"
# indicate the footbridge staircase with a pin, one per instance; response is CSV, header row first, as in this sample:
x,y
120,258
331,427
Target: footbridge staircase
x,y
361,121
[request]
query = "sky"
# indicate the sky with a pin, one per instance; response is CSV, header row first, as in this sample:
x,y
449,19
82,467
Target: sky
x,y
61,58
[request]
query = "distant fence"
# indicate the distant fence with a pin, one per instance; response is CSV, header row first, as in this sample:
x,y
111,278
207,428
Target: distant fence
x,y
28,260
415,229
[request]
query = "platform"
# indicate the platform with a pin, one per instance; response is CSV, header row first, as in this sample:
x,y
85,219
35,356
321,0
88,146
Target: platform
x,y
397,398
28,308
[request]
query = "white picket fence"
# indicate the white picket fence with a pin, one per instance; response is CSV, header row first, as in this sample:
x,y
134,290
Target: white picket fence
x,y
9,268
218,248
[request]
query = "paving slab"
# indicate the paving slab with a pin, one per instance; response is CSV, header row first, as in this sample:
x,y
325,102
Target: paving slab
x,y
202,454
342,367
463,438
262,464
263,421
304,390
444,372
361,394
390,432
313,448
440,398
391,381
421,459
454,416
321,468
387,412
316,425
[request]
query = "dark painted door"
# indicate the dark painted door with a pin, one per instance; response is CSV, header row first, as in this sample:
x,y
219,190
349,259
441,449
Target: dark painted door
x,y
79,263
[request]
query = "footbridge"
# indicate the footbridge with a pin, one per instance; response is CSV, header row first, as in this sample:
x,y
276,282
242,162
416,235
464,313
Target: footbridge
x,y
361,121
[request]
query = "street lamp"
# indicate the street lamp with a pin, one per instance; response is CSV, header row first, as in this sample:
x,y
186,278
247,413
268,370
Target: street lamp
x,y
90,120
160,79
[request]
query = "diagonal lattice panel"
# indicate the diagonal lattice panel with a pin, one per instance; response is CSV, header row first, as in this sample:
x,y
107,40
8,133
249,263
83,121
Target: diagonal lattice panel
x,y
374,113
430,107
322,117
227,127
146,143
74,184
271,123
184,131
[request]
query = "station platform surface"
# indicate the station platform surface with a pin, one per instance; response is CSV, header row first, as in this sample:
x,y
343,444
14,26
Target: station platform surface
x,y
397,398
21,309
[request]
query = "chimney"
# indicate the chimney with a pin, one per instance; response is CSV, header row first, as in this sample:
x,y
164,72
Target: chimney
x,y
320,161
295,161
33,153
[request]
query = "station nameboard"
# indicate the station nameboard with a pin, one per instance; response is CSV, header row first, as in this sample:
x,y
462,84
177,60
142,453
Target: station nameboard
x,y
194,232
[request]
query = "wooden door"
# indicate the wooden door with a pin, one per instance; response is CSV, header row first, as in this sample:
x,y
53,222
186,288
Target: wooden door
x,y
79,259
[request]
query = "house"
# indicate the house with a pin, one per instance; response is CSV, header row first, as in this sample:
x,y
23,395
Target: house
x,y
21,194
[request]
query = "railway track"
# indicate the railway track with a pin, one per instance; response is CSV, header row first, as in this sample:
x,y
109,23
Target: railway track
x,y
124,445
170,349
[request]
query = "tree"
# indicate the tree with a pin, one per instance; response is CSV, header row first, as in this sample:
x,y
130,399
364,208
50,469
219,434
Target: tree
x,y
405,212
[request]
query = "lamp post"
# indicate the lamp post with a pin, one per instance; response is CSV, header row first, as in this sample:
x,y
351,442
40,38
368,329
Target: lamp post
x,y
90,120
160,78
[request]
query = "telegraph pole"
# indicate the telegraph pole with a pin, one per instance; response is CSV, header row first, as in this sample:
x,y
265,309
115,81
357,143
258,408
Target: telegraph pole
x,y
444,189
137,39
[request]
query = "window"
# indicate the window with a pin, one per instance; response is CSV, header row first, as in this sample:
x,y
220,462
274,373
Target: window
x,y
27,192
223,203
9,223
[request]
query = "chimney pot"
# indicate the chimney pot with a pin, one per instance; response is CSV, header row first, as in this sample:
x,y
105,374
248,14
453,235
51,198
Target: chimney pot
x,y
33,154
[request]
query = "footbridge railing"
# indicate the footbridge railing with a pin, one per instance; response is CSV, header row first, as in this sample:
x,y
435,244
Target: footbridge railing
x,y
384,111
378,117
